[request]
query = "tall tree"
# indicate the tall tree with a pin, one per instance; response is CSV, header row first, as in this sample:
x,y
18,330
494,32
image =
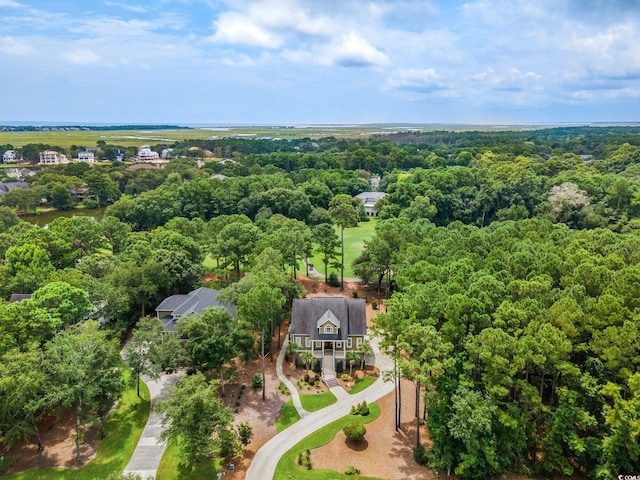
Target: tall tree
x,y
140,350
209,339
194,417
81,366
344,211
327,242
258,308
22,383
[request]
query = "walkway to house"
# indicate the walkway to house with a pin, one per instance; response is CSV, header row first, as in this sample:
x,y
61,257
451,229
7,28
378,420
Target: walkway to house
x,y
295,397
264,463
148,453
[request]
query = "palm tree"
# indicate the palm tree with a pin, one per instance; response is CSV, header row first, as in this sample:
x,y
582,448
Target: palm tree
x,y
308,357
352,357
364,349
292,348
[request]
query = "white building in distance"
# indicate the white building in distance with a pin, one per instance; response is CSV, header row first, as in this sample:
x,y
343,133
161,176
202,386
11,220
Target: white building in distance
x,y
10,156
146,155
369,199
49,157
86,156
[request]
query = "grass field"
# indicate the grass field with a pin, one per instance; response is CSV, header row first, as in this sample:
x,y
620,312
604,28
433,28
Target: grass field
x,y
138,137
312,402
123,429
288,416
287,468
361,384
354,239
169,468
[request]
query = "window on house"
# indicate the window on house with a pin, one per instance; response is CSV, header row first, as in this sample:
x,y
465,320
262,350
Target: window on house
x,y
358,342
298,341
307,342
328,329
318,344
349,343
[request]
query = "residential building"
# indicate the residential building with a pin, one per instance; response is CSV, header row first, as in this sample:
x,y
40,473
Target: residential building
x,y
50,157
10,156
177,306
145,154
370,199
8,186
328,327
86,156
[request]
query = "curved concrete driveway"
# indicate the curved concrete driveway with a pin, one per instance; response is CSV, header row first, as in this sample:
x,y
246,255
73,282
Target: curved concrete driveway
x,y
264,463
148,453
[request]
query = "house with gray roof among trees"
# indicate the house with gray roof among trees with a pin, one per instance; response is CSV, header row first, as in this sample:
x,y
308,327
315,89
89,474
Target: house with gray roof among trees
x,y
369,200
177,306
328,327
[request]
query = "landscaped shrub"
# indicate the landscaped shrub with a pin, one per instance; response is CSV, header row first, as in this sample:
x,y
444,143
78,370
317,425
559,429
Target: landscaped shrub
x,y
374,304
317,367
351,470
354,294
245,431
360,409
339,367
345,377
304,459
420,455
306,378
283,389
257,381
354,431
333,280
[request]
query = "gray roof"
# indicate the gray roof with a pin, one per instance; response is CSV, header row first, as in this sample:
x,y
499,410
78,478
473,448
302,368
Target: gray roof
x,y
370,198
350,312
193,302
18,297
8,186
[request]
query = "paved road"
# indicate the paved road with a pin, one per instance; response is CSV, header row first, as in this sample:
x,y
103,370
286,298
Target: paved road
x,y
146,457
264,464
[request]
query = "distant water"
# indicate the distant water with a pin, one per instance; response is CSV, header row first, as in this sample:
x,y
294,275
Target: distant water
x,y
45,218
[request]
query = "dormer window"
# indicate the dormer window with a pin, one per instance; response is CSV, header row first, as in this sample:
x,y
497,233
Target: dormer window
x,y
328,329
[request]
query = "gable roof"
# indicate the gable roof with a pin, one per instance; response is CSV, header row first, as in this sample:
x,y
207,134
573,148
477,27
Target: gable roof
x,y
328,316
349,312
370,198
8,186
193,302
18,297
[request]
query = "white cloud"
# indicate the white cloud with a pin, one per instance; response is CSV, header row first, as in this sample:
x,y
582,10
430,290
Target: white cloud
x,y
232,28
81,56
124,6
11,46
10,4
355,51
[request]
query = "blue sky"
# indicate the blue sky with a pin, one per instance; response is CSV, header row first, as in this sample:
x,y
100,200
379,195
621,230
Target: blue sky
x,y
320,61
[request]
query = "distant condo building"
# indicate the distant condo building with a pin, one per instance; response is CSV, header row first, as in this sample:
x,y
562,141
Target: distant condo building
x,y
145,154
49,157
10,156
86,156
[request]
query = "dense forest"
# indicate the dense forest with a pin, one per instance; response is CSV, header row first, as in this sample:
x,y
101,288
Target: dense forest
x,y
511,259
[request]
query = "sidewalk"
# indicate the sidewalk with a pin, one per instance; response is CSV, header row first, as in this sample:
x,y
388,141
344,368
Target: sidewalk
x,y
148,453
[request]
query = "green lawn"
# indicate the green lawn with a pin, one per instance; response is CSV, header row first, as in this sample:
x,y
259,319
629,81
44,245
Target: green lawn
x,y
312,402
170,470
361,384
287,467
288,416
353,244
123,429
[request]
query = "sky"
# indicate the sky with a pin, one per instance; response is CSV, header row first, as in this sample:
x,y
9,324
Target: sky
x,y
281,62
